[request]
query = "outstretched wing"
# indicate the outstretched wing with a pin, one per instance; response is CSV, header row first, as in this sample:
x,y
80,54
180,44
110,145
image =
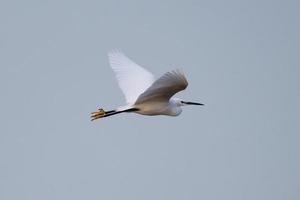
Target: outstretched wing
x,y
132,78
164,87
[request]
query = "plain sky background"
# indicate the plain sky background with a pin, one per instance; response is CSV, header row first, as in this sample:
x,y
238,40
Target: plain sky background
x,y
241,59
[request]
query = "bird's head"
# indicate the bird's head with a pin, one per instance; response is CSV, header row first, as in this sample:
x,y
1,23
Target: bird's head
x,y
180,102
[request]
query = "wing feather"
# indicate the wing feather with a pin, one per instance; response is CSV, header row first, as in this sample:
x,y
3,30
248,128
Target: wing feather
x,y
164,87
132,78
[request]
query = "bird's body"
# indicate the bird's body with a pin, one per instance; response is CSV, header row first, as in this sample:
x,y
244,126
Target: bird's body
x,y
144,94
159,108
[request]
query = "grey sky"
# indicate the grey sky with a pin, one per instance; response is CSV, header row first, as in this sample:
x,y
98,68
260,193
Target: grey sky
x,y
241,59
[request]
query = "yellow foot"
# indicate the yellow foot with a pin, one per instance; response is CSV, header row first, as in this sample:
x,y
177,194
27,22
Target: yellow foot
x,y
98,114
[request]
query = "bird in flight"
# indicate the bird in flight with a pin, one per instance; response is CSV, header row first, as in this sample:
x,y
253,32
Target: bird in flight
x,y
145,95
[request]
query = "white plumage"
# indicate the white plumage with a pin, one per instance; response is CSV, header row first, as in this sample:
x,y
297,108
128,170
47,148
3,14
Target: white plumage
x,y
132,78
143,94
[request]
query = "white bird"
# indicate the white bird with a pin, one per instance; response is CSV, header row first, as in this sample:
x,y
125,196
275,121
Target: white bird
x,y
145,95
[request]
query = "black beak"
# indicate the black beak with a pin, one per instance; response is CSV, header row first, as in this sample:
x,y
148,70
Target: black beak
x,y
192,103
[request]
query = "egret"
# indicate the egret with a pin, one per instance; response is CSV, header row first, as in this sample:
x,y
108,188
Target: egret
x,y
145,95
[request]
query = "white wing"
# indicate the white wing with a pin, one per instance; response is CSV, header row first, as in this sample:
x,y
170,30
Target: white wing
x,y
132,78
164,87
